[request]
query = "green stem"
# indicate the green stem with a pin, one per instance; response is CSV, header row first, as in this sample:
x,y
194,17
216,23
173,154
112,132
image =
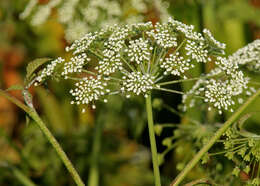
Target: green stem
x,y
212,141
34,115
152,141
93,179
21,177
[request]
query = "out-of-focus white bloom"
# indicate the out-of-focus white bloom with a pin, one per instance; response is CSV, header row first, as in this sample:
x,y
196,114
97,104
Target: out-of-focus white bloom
x,y
67,10
27,11
94,14
41,15
75,30
248,55
139,5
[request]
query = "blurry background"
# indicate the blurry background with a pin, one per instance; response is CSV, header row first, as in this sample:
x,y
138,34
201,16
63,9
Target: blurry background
x,y
111,141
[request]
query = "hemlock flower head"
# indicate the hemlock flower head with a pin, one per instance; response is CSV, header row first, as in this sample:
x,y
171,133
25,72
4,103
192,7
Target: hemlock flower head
x,y
79,16
134,60
248,56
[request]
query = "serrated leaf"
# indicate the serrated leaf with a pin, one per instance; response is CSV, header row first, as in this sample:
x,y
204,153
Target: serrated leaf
x,y
33,66
15,87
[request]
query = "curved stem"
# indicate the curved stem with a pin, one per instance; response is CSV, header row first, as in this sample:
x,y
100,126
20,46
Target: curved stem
x,y
34,115
214,138
152,141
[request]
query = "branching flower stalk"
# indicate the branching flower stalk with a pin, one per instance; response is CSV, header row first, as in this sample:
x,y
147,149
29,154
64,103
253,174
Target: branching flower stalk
x,y
213,140
135,59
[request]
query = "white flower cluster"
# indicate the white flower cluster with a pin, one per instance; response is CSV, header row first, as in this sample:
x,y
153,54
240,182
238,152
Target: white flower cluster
x,y
137,83
187,30
176,64
67,10
89,90
110,63
248,55
75,29
197,51
43,12
93,14
139,51
163,36
221,93
134,59
209,36
82,44
48,71
74,65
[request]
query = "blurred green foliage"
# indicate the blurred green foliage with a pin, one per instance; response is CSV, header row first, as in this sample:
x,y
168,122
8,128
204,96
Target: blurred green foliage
x,y
123,157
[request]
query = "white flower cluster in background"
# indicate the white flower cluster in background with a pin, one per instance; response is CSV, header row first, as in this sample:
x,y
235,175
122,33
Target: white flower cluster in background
x,y
248,55
136,59
210,38
79,16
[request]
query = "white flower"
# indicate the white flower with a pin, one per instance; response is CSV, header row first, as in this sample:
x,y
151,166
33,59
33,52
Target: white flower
x,y
137,83
75,65
211,39
110,63
248,55
48,70
89,90
139,51
187,30
175,64
163,36
197,51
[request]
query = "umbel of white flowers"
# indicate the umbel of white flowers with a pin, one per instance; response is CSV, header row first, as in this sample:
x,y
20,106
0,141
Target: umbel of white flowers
x,y
80,16
134,59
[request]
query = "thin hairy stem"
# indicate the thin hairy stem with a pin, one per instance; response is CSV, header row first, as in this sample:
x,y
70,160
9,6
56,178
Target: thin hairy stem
x,y
156,170
34,115
213,140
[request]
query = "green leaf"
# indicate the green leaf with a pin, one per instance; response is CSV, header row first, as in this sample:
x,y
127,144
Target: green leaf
x,y
15,87
33,66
